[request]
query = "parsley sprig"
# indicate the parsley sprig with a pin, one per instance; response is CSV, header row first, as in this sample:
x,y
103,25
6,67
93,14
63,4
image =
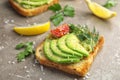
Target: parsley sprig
x,y
110,3
60,13
28,50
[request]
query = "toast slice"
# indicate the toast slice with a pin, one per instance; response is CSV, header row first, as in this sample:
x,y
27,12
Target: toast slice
x,y
80,68
31,12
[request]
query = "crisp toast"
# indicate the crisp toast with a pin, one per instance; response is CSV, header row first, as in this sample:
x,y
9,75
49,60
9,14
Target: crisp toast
x,y
31,12
80,68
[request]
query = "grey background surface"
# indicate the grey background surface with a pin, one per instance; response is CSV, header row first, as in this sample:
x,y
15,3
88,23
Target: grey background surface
x,y
106,65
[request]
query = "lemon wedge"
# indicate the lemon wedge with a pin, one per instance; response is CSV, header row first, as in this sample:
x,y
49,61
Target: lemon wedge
x,y
33,29
100,11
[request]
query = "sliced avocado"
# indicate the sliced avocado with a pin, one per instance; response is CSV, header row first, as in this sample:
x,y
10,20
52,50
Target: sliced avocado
x,y
57,51
32,3
28,4
73,43
49,54
87,46
63,47
36,0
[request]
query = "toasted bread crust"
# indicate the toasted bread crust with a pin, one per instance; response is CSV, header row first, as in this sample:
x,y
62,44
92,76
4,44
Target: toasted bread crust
x,y
79,69
31,12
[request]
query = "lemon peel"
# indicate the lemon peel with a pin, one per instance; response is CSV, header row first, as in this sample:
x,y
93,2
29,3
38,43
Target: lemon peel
x,y
33,29
100,11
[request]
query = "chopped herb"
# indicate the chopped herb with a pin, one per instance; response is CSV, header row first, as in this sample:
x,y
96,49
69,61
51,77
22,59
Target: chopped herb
x,y
27,51
60,13
55,7
110,3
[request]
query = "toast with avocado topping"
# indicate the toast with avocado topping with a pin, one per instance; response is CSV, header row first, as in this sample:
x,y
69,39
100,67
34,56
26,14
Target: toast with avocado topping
x,y
72,52
31,7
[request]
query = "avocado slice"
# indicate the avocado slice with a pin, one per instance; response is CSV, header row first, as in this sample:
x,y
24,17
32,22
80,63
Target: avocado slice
x,y
29,4
32,3
73,43
57,51
63,47
49,55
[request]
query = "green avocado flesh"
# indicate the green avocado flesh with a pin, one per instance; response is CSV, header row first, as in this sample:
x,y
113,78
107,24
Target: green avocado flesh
x,y
49,54
57,51
73,43
64,50
62,45
29,4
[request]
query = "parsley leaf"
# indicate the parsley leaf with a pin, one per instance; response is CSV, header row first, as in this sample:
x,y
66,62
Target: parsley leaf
x,y
55,7
57,18
27,51
68,11
60,13
110,3
21,56
19,46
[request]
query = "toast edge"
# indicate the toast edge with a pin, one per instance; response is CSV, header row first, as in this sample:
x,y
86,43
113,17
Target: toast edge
x,y
31,12
80,68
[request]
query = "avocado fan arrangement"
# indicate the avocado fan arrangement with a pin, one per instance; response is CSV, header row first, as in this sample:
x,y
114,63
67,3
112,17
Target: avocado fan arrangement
x,y
71,47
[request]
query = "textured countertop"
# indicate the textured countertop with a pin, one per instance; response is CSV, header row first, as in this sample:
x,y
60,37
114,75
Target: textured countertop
x,y
106,65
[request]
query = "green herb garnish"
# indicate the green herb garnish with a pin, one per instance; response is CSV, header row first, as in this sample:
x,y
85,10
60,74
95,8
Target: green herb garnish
x,y
110,3
68,11
60,13
55,7
57,18
88,38
19,46
28,50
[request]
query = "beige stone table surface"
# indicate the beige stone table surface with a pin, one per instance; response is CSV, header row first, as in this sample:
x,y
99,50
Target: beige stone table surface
x,y
106,65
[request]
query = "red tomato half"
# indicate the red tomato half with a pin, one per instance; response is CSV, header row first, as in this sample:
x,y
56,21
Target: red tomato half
x,y
60,31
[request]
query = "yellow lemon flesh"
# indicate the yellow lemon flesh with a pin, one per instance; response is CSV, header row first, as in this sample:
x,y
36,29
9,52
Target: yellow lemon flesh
x,y
33,30
100,11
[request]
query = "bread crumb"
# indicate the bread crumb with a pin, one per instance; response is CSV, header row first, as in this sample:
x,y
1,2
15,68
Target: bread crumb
x,y
27,71
9,62
28,76
13,62
40,78
1,47
25,67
